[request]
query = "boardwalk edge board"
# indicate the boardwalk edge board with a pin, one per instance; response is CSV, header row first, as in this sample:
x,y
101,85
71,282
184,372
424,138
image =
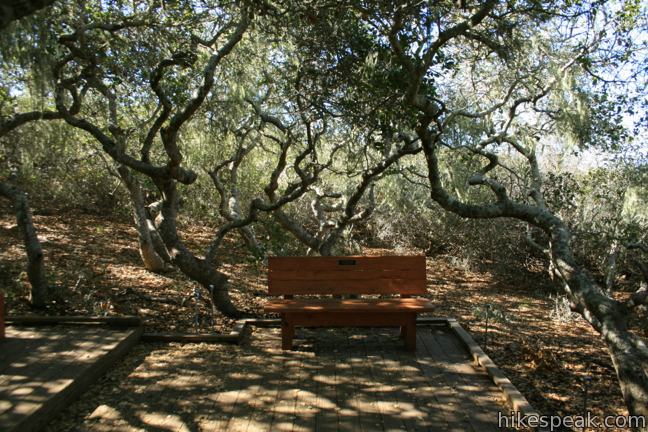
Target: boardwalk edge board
x,y
514,398
51,408
120,321
235,336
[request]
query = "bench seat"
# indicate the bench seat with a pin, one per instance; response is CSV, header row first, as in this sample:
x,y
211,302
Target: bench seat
x,y
391,305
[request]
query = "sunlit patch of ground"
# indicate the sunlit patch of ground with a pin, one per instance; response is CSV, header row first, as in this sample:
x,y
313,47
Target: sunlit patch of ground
x,y
553,363
94,264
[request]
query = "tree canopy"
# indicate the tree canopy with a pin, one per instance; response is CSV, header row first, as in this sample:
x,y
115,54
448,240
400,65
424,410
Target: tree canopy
x,y
313,118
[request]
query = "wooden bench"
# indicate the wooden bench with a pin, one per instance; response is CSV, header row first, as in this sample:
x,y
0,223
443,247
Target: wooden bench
x,y
387,275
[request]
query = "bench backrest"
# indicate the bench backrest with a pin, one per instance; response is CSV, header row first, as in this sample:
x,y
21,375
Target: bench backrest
x,y
346,275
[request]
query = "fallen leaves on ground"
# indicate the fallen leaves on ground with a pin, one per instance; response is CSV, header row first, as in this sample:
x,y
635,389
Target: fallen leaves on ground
x,y
94,265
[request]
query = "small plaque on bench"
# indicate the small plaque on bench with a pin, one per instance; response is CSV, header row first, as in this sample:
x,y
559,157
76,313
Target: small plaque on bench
x,y
347,262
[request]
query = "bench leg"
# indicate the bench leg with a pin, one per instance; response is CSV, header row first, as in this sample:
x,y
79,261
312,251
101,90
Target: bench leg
x,y
287,335
410,334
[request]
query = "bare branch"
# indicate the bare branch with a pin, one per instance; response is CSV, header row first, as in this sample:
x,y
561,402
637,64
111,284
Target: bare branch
x,y
498,189
330,230
164,102
275,201
535,245
418,72
170,132
639,297
641,246
113,149
266,117
20,119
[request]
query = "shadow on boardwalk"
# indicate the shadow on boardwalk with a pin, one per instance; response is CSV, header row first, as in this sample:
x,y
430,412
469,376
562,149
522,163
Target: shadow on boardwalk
x,y
342,379
43,369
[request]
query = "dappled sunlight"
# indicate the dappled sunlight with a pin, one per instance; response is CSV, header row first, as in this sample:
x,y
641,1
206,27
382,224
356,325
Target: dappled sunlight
x,y
100,255
95,266
161,420
343,379
39,366
538,353
12,252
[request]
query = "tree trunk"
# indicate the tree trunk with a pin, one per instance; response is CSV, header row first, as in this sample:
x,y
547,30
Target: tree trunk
x,y
250,240
197,269
153,253
610,318
35,257
631,372
326,249
247,232
611,266
296,229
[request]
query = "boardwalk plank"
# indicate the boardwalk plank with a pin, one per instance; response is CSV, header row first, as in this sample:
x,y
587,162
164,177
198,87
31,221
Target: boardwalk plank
x,y
284,407
399,375
35,356
454,377
215,418
306,401
349,419
385,391
365,385
419,403
260,416
245,403
446,410
26,346
327,403
475,384
48,371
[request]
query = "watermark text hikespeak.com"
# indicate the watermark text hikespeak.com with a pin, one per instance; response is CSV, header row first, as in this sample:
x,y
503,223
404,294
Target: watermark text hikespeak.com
x,y
551,422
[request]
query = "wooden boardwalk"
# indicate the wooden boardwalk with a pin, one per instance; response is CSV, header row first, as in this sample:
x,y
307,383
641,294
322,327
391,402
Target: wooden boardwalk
x,y
43,369
335,380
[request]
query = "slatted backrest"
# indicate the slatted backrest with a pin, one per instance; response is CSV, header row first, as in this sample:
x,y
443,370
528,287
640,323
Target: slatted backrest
x,y
346,275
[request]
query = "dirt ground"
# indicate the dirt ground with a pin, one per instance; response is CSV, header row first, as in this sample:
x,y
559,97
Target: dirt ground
x,y
556,360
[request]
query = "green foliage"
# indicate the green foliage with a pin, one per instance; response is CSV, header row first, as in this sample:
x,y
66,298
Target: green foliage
x,y
339,63
61,168
635,206
601,206
491,314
